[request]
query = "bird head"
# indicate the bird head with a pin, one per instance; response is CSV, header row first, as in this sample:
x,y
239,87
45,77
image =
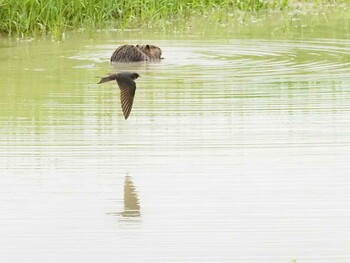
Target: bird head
x,y
134,75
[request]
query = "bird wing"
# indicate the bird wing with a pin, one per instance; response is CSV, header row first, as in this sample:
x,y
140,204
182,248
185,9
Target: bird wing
x,y
108,78
127,93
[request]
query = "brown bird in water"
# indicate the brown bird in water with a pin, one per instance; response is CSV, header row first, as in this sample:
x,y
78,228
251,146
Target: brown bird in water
x,y
127,87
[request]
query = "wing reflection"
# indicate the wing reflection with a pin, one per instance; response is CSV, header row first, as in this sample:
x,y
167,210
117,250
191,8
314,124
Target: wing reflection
x,y
131,200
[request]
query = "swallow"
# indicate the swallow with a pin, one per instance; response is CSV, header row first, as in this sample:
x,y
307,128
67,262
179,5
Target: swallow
x,y
127,85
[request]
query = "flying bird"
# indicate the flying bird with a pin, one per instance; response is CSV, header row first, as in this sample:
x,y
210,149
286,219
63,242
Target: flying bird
x,y
127,87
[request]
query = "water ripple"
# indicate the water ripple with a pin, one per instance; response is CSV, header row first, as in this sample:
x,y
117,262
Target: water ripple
x,y
237,148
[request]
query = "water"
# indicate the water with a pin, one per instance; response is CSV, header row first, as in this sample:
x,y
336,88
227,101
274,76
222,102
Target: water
x,y
237,149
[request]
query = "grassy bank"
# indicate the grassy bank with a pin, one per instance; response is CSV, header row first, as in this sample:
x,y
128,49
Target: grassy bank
x,y
32,17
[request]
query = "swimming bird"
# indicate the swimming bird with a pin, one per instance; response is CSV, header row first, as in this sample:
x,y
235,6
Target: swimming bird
x,y
127,87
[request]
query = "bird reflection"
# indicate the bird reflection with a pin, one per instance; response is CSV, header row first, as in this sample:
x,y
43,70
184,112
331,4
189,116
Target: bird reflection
x,y
131,200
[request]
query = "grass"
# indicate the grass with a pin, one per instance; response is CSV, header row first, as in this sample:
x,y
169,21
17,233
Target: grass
x,y
34,17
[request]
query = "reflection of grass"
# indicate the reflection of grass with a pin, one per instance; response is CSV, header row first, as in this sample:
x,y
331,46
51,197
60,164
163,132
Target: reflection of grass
x,y
29,17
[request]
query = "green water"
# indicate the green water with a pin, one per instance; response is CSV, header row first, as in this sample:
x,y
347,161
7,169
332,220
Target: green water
x,y
237,148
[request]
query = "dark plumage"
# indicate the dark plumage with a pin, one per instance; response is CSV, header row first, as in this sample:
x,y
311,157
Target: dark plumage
x,y
131,53
127,87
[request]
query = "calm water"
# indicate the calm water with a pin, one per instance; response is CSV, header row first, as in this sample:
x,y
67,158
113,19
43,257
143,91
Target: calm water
x,y
237,149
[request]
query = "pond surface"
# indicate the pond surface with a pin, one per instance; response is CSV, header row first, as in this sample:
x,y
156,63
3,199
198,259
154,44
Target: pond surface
x,y
237,149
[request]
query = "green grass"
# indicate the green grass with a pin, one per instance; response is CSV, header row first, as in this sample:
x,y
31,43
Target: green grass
x,y
26,18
